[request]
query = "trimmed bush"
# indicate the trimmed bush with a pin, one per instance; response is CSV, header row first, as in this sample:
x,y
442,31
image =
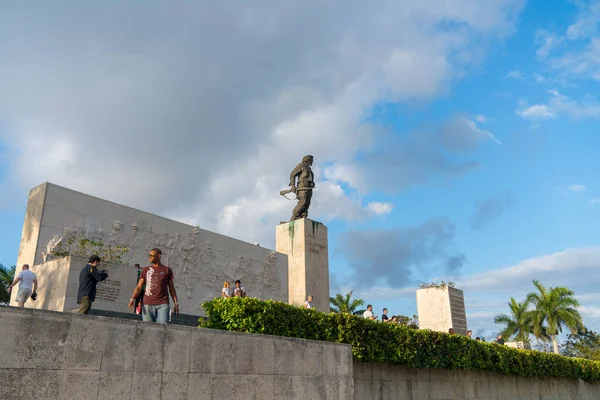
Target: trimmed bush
x,y
374,341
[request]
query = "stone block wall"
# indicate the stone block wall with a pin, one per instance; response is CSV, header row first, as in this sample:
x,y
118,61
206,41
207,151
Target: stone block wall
x,y
52,355
379,381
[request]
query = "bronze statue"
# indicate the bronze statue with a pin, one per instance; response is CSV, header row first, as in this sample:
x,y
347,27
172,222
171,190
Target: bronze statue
x,y
303,189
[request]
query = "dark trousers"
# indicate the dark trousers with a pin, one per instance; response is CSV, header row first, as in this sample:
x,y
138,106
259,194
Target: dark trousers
x,y
301,209
85,305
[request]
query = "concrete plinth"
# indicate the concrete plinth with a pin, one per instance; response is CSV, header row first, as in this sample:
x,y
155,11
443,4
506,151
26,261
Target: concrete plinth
x,y
440,309
305,243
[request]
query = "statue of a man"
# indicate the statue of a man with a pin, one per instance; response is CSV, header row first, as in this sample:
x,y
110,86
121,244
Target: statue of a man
x,y
303,188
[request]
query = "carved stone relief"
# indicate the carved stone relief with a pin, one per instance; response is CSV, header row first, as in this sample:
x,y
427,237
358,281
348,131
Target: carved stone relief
x,y
195,262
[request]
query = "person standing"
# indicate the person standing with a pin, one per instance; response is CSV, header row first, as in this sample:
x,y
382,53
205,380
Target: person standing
x,y
139,301
369,313
384,316
239,291
159,281
88,279
308,302
27,286
226,291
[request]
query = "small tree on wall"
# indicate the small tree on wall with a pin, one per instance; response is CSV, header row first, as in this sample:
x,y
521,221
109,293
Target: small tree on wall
x,y
74,244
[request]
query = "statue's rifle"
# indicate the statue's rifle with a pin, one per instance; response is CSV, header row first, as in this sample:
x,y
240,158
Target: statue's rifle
x,y
284,192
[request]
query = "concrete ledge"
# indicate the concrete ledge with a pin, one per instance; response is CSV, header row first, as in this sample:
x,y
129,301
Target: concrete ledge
x,y
55,355
70,356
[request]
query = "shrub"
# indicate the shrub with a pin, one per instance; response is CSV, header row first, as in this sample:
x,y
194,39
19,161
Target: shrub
x,y
374,341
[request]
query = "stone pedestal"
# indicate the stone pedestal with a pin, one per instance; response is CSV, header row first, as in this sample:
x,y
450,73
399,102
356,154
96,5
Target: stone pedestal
x,y
305,243
440,309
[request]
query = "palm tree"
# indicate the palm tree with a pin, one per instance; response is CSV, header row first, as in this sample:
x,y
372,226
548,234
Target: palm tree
x,y
343,304
519,323
553,309
7,275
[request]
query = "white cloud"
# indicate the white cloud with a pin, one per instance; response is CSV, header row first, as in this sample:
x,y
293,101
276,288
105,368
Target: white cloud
x,y
536,112
552,270
483,118
514,74
595,201
561,105
539,78
564,52
571,189
377,208
199,110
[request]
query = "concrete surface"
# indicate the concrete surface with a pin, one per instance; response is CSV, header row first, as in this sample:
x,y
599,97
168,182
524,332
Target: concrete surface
x,y
51,355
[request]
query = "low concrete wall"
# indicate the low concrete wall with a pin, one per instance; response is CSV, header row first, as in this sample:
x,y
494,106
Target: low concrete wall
x,y
387,381
52,355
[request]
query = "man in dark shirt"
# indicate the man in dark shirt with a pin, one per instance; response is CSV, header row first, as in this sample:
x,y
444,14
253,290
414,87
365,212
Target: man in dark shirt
x,y
384,317
159,282
88,279
499,339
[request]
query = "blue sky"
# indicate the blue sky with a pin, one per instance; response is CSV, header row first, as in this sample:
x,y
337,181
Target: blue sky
x,y
450,142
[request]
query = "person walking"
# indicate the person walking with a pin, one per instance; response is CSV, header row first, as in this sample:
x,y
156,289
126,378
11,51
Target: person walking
x,y
27,281
159,281
88,279
139,301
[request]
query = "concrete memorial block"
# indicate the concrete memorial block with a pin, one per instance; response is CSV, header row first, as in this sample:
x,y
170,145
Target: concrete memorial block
x,y
442,308
305,243
519,345
201,260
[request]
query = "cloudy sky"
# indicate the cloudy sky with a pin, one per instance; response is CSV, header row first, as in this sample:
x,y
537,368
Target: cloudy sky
x,y
453,139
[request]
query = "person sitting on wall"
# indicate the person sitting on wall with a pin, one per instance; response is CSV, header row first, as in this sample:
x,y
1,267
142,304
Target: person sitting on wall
x,y
88,279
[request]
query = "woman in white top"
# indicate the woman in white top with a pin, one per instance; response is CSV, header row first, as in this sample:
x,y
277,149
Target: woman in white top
x,y
226,292
308,303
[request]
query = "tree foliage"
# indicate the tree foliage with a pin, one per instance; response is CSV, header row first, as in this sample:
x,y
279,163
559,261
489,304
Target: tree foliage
x,y
519,324
553,310
375,341
7,276
583,344
345,305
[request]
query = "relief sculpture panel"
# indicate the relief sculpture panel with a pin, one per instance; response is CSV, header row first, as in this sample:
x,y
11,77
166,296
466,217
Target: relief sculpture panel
x,y
200,266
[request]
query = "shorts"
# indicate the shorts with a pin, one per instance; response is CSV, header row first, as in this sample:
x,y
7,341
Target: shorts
x,y
23,294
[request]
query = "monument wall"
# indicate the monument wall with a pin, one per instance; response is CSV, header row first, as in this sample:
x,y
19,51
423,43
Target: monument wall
x,y
201,260
58,284
59,356
442,308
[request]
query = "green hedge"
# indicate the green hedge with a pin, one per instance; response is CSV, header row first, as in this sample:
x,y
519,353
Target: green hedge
x,y
374,341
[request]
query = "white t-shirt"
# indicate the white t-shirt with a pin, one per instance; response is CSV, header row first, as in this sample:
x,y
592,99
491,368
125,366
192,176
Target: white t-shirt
x,y
307,304
368,314
27,277
227,291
